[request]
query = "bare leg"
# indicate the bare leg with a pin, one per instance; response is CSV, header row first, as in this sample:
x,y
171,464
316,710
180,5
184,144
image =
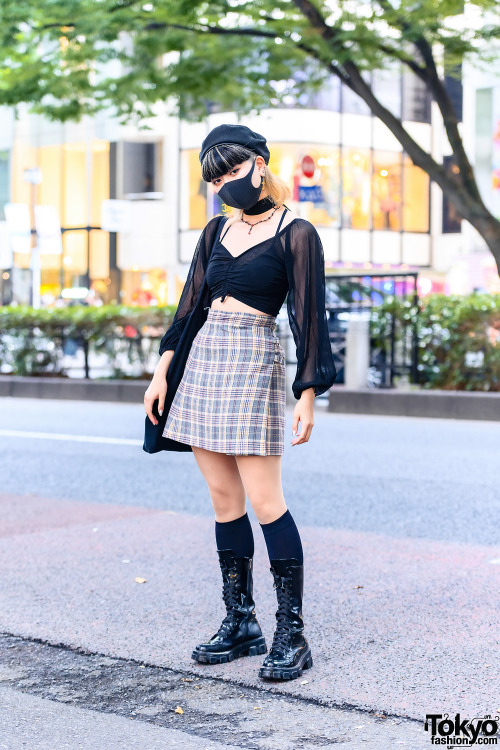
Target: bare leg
x,y
261,477
224,483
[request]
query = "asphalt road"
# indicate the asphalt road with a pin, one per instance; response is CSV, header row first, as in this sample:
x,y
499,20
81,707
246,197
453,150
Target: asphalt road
x,y
403,477
399,519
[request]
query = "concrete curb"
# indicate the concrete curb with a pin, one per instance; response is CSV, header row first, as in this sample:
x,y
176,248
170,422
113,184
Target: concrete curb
x,y
80,389
341,400
425,403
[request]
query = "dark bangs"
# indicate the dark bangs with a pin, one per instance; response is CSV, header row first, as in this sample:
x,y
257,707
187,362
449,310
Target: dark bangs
x,y
222,158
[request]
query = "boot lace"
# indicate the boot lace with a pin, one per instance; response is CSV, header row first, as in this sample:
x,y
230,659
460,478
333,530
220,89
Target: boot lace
x,y
230,597
281,637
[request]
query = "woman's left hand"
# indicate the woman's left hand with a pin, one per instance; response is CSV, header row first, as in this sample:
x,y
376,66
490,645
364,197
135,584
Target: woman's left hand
x,y
303,412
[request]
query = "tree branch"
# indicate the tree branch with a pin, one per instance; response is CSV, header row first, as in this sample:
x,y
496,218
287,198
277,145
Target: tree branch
x,y
446,180
251,31
430,76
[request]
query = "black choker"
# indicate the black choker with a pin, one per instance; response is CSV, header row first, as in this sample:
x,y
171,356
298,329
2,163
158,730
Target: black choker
x,y
265,204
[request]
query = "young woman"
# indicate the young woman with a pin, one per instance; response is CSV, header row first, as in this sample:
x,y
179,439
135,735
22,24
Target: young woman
x,y
229,406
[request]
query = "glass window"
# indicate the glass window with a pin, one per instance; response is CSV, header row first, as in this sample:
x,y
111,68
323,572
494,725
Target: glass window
x,y
140,168
4,181
352,103
193,190
452,221
144,288
386,185
49,191
75,194
416,98
23,156
453,85
99,254
386,86
416,197
487,156
356,188
313,174
100,180
74,254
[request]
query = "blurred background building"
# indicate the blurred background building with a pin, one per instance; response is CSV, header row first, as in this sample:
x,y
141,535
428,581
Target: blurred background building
x,y
131,203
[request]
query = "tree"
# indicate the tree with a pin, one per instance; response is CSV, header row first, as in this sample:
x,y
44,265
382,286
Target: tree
x,y
73,57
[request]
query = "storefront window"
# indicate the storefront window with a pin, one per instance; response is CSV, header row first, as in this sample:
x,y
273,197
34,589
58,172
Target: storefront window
x,y
416,197
312,173
386,185
193,191
356,188
144,288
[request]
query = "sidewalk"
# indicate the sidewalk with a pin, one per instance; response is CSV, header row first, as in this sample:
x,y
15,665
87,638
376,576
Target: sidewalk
x,y
402,626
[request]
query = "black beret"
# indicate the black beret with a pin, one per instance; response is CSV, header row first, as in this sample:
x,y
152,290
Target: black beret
x,y
235,134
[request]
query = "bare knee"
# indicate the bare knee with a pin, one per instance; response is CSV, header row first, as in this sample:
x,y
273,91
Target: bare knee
x,y
262,480
224,483
228,501
268,508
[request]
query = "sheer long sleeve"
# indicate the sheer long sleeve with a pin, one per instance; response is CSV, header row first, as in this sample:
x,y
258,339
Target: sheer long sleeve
x,y
306,310
194,282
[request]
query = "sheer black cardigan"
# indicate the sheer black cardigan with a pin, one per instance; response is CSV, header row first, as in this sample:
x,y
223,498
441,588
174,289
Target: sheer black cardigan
x,y
305,268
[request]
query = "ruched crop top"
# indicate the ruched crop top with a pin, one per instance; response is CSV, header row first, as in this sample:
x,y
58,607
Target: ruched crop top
x,y
257,277
288,266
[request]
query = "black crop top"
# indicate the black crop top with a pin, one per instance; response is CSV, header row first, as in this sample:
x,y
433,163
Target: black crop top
x,y
289,265
257,277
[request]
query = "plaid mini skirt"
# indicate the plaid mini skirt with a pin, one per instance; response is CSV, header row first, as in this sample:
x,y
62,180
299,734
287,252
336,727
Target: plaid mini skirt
x,y
231,398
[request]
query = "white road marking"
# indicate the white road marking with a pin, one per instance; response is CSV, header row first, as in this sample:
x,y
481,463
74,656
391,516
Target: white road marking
x,y
63,436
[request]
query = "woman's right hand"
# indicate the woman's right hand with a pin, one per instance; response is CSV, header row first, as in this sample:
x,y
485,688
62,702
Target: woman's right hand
x,y
157,390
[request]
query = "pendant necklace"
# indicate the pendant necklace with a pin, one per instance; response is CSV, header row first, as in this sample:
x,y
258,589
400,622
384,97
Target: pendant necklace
x,y
259,222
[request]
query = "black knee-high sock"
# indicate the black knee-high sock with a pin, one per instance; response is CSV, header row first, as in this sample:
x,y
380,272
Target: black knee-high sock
x,y
236,535
283,538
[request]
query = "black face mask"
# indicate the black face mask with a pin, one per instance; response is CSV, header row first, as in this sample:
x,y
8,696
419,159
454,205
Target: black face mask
x,y
241,193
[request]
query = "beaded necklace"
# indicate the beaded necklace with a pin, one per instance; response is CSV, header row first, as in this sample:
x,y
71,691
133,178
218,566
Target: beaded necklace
x,y
259,222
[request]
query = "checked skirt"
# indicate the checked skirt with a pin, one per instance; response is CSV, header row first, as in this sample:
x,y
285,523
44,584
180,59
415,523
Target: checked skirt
x,y
231,398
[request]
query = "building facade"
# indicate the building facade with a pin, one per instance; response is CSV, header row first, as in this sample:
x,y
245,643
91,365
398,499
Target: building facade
x,y
373,209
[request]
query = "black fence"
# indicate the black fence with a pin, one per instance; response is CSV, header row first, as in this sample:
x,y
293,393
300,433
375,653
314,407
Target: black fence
x,y
396,353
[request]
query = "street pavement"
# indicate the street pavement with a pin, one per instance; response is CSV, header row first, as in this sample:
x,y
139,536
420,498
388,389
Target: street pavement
x,y
399,520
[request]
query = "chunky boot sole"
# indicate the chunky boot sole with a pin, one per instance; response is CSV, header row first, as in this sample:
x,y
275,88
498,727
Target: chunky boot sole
x,y
248,648
287,673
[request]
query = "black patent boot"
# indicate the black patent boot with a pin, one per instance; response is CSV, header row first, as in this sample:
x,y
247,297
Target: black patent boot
x,y
290,652
239,633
